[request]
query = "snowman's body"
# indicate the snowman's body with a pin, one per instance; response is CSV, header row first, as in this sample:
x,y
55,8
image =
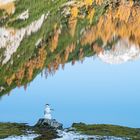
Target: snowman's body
x,y
47,113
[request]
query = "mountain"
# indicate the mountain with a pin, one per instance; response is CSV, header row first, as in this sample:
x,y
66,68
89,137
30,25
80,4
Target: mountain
x,y
41,36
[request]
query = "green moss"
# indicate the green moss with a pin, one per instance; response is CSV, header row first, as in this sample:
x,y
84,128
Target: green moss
x,y
108,130
18,129
46,134
36,9
12,129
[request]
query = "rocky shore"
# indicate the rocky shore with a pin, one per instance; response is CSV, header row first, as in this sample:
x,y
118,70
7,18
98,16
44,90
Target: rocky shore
x,y
74,135
46,123
44,131
53,130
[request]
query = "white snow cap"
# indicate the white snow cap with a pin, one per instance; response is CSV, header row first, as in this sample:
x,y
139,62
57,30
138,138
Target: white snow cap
x,y
121,52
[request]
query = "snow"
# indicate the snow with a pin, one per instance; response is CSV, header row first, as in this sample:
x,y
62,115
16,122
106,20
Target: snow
x,y
71,135
121,52
24,15
11,38
23,137
64,135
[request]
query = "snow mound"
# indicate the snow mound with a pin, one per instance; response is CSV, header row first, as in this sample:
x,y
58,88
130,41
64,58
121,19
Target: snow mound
x,y
121,52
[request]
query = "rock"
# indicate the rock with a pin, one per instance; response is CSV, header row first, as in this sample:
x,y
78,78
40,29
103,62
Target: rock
x,y
49,123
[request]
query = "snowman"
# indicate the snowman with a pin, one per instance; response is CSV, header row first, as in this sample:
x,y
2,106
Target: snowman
x,y
47,112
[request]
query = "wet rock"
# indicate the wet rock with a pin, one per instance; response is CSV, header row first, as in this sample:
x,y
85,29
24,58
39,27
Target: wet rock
x,y
49,123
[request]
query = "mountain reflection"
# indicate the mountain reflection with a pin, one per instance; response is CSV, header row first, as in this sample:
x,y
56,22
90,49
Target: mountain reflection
x,y
68,32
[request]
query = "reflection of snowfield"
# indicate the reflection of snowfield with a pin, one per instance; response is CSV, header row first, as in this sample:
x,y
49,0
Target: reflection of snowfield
x,y
11,39
121,52
24,137
71,135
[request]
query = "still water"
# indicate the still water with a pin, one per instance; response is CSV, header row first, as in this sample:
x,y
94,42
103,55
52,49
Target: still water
x,y
92,92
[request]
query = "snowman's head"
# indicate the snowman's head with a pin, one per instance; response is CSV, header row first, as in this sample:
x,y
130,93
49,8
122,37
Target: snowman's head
x,y
47,105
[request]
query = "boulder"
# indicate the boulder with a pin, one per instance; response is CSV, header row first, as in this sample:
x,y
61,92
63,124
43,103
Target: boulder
x,y
47,123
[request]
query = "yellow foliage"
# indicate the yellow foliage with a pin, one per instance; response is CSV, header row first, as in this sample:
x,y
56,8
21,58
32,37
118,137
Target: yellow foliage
x,y
54,40
88,2
91,15
28,68
73,20
8,7
74,12
123,22
10,80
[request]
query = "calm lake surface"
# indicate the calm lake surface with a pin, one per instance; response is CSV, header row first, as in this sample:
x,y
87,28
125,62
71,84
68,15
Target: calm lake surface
x,y
92,92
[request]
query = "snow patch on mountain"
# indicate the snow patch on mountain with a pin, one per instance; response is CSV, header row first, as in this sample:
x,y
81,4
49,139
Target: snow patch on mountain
x,y
121,52
23,137
11,38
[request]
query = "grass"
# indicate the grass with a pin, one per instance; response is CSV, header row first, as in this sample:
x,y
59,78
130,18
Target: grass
x,y
108,130
12,129
46,134
18,129
36,9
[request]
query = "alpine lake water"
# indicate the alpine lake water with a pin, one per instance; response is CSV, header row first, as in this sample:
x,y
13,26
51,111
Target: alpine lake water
x,y
82,57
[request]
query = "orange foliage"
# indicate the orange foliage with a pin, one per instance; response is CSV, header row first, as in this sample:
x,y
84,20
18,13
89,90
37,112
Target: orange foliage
x,y
123,22
73,20
8,7
54,40
28,68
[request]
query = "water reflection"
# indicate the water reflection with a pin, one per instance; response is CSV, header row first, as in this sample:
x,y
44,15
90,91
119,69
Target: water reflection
x,y
72,31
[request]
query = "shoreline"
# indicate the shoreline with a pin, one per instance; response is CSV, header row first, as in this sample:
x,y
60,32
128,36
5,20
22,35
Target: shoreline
x,y
77,130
